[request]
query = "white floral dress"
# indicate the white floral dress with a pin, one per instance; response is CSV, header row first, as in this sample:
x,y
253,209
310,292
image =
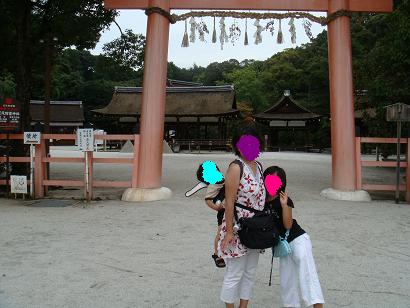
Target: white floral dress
x,y
251,193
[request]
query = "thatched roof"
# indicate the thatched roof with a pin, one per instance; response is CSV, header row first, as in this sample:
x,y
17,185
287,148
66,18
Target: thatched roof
x,y
67,113
286,109
180,102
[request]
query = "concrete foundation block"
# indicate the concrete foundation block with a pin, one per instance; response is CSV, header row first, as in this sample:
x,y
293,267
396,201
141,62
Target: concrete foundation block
x,y
355,196
146,194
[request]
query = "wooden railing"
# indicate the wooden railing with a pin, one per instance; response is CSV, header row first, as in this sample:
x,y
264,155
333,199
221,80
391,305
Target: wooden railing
x,y
365,163
42,162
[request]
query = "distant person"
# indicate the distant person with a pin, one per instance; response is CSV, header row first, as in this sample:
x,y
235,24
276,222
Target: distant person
x,y
243,185
297,270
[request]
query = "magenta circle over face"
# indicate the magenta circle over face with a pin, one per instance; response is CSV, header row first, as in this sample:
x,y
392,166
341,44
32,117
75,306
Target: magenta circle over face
x,y
249,146
272,184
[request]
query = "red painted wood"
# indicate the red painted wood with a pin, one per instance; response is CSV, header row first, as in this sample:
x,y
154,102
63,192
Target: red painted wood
x,y
71,183
14,159
114,137
382,187
135,168
408,173
382,140
341,101
358,164
38,171
113,160
392,164
63,159
276,5
153,99
11,136
59,136
3,182
111,184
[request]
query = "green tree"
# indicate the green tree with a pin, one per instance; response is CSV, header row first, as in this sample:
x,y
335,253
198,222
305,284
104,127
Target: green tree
x,y
249,87
128,50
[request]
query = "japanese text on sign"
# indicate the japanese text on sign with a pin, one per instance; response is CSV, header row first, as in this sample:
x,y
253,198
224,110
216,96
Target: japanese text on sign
x,y
32,137
85,139
18,184
9,116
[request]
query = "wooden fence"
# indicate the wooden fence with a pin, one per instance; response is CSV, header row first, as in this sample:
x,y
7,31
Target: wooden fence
x,y
86,180
366,163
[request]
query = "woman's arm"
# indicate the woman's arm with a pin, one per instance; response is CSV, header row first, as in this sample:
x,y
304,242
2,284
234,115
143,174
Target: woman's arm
x,y
231,189
286,211
213,205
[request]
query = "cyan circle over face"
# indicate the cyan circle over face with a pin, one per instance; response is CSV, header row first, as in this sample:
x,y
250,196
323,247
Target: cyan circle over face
x,y
249,146
211,174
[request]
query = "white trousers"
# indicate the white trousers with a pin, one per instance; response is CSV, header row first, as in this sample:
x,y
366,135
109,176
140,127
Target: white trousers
x,y
239,277
298,273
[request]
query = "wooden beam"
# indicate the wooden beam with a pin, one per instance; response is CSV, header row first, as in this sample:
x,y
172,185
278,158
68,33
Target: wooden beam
x,y
378,6
277,5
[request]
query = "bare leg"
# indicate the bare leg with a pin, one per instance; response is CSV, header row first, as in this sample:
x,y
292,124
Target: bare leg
x,y
229,305
216,240
243,303
317,305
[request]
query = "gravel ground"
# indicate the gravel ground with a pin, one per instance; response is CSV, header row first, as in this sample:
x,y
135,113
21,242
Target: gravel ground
x,y
114,254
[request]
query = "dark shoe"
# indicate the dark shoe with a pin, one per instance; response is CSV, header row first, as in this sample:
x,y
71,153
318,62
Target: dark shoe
x,y
219,262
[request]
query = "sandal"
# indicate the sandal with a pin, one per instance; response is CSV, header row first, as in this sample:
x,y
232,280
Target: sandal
x,y
219,262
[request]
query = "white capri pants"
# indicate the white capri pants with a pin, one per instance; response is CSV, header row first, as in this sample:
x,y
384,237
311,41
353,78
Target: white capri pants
x,y
298,273
239,277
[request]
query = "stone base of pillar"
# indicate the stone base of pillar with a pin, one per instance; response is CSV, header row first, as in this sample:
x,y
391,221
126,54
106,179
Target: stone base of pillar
x,y
355,196
146,194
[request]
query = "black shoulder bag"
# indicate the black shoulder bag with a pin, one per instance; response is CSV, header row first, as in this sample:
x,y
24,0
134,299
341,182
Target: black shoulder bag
x,y
258,231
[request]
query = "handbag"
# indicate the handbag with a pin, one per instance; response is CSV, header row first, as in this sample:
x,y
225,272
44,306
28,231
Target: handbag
x,y
258,231
282,248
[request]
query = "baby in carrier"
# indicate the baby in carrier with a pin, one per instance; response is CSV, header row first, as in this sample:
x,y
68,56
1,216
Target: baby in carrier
x,y
209,176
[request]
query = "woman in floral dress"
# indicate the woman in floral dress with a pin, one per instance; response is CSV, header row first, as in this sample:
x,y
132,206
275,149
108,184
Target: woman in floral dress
x,y
248,189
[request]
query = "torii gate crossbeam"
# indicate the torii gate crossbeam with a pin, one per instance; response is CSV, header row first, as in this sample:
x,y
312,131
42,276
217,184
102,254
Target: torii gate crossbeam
x,y
148,185
274,5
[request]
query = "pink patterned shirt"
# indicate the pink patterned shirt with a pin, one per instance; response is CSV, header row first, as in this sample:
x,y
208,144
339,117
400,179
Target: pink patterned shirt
x,y
251,193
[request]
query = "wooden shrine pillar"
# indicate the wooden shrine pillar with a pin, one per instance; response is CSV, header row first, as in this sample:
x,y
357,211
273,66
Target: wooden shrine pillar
x,y
341,99
152,110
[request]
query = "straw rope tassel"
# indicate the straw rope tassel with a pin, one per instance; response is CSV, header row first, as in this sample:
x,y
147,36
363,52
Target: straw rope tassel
x,y
246,42
192,36
280,33
292,30
214,33
185,39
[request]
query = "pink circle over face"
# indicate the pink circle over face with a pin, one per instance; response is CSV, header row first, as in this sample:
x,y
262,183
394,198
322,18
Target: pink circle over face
x,y
272,184
249,146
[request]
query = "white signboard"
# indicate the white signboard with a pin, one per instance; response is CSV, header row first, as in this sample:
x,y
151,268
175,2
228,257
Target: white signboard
x,y
99,141
18,184
32,137
85,139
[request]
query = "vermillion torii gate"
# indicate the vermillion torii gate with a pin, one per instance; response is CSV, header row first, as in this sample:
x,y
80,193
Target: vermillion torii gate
x,y
340,77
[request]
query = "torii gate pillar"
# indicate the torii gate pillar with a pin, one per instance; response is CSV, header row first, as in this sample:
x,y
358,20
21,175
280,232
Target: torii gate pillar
x,y
342,109
148,186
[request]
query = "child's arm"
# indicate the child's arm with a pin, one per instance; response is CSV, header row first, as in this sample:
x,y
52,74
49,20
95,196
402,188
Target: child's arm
x,y
213,205
286,211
